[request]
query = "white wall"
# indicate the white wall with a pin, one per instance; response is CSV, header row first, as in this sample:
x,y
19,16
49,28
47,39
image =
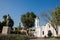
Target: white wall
x,y
46,28
58,30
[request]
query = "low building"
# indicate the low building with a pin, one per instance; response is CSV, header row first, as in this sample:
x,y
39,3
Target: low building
x,y
42,31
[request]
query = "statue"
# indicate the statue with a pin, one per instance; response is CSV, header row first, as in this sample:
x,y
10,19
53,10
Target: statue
x,y
6,29
7,20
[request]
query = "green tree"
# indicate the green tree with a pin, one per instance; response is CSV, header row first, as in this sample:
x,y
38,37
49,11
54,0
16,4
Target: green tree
x,y
1,27
56,18
19,27
28,19
11,22
53,18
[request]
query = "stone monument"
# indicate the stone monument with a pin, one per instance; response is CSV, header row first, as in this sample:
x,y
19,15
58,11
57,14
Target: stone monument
x,y
6,29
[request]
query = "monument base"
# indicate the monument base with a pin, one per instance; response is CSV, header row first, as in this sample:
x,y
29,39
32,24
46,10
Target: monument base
x,y
6,30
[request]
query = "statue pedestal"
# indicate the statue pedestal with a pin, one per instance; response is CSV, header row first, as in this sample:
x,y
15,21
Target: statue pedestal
x,y
6,30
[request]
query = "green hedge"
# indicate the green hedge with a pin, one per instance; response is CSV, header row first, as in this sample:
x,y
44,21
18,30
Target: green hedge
x,y
57,37
14,37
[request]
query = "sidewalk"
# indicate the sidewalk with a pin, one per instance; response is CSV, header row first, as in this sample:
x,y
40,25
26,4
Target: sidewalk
x,y
46,39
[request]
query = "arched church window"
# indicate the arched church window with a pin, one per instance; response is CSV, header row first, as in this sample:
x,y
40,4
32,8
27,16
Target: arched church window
x,y
49,26
43,32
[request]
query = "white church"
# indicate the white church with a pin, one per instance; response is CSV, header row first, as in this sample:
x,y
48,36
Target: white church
x,y
41,31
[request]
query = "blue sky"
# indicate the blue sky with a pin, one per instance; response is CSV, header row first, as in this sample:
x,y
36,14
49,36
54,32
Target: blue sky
x,y
16,8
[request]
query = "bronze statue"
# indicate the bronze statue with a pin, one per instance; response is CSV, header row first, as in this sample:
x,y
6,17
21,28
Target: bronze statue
x,y
7,20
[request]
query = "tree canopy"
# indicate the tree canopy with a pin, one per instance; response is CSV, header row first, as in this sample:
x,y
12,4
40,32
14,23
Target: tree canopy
x,y
1,26
56,16
28,19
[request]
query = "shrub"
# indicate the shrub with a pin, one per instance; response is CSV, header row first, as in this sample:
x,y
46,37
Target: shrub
x,y
13,37
57,37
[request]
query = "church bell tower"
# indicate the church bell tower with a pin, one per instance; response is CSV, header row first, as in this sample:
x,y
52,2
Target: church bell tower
x,y
37,28
37,22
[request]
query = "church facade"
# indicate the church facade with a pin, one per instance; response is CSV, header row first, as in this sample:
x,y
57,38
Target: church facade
x,y
42,31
